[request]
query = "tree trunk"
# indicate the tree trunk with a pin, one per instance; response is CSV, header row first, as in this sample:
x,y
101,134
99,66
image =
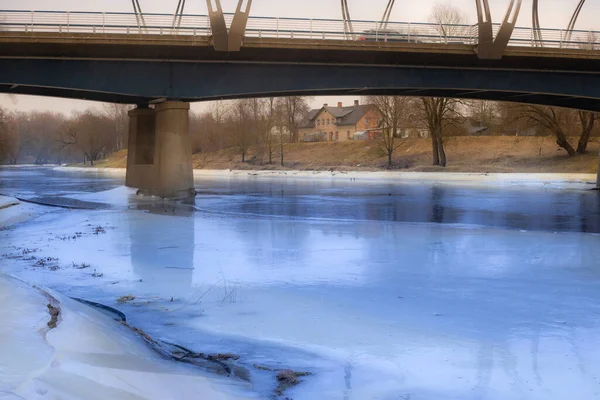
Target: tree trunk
x,y
583,142
390,151
441,151
562,141
587,124
434,145
598,174
243,156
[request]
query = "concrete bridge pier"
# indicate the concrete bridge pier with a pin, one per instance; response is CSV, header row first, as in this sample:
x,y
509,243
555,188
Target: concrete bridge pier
x,y
598,173
159,160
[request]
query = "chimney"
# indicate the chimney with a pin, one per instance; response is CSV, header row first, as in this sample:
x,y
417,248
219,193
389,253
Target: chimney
x,y
339,104
355,103
325,105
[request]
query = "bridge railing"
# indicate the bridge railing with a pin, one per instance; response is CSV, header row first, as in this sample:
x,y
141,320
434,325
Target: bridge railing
x,y
290,28
106,23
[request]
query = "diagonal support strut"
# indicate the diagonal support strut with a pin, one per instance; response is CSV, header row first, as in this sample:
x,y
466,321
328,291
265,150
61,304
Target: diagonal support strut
x,y
489,47
217,25
224,40
238,26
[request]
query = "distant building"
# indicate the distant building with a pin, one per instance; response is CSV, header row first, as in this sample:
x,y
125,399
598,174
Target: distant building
x,y
339,123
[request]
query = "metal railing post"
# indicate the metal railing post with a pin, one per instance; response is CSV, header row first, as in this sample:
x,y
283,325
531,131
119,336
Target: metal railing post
x,y
408,33
311,27
31,21
532,37
277,28
560,45
68,22
103,23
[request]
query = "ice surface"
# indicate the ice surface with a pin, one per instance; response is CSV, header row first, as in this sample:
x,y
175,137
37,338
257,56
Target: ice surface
x,y
13,212
372,307
87,356
6,202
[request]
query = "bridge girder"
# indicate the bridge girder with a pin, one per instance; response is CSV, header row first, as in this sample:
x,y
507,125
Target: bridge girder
x,y
142,82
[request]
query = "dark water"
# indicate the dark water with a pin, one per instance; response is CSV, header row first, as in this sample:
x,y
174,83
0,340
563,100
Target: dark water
x,y
524,208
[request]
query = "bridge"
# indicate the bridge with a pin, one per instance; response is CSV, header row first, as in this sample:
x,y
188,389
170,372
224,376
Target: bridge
x,y
161,62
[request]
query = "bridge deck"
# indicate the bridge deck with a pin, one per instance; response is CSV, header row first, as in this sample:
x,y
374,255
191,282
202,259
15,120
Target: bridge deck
x,y
186,48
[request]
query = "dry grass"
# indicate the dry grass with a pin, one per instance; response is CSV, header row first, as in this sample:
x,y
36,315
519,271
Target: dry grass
x,y
465,154
287,378
54,313
126,299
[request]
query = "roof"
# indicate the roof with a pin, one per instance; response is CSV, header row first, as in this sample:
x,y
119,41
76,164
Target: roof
x,y
349,115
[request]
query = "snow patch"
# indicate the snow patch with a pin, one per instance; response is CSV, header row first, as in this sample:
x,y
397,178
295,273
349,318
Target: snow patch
x,y
88,356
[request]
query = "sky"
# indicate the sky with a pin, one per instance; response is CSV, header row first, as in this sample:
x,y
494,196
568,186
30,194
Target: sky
x,y
553,14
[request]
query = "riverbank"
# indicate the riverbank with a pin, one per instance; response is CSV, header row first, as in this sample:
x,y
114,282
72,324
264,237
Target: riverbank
x,y
556,180
500,154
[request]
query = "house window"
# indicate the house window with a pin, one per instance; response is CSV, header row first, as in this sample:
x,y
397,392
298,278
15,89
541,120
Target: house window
x,y
366,121
348,135
318,122
336,136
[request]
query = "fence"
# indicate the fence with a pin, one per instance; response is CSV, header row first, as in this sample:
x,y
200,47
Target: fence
x,y
274,27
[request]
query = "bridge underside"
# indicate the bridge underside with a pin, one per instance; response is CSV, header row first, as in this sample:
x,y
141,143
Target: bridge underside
x,y
143,82
588,104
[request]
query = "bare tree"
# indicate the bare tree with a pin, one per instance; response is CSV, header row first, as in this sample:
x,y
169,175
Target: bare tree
x,y
553,119
39,136
394,111
8,138
218,110
295,109
117,113
437,112
89,133
587,120
589,41
240,118
451,22
486,112
272,118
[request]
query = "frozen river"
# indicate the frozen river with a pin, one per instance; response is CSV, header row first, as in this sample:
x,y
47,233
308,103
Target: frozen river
x,y
381,290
